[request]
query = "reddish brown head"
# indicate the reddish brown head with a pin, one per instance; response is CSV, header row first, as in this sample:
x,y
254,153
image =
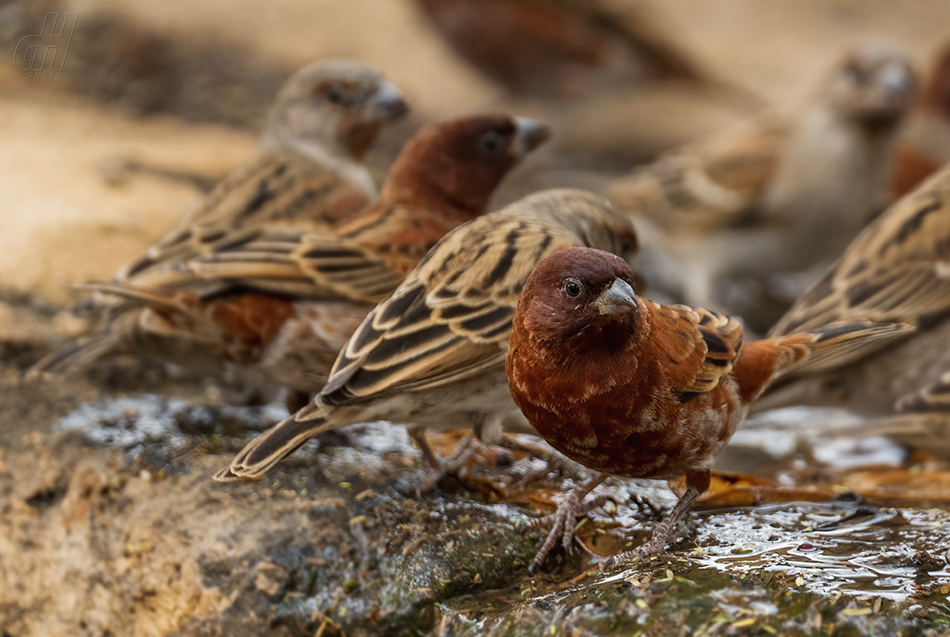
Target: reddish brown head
x,y
454,166
579,298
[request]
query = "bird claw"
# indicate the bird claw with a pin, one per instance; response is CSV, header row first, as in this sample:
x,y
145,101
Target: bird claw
x,y
563,523
645,505
454,465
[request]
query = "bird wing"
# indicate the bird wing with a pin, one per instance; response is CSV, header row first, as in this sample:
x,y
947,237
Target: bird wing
x,y
276,190
896,270
715,184
700,345
450,320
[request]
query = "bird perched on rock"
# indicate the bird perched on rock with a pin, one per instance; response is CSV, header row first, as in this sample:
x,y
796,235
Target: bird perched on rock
x,y
277,299
432,354
775,196
925,143
559,48
308,172
897,270
632,388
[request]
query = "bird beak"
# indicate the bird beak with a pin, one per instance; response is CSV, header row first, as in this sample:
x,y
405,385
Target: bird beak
x,y
529,134
388,102
896,81
618,299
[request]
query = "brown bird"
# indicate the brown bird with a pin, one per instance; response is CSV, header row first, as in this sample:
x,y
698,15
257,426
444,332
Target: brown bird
x,y
775,196
279,301
925,144
432,354
897,270
307,174
559,48
632,388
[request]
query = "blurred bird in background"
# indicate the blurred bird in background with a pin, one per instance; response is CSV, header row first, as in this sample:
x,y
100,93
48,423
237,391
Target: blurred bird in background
x,y
307,174
560,48
897,270
777,195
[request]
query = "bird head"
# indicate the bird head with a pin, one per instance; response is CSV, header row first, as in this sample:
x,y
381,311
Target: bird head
x,y
873,87
580,294
337,105
456,164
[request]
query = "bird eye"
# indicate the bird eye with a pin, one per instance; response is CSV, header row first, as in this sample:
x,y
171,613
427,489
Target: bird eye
x,y
490,143
572,287
334,94
857,73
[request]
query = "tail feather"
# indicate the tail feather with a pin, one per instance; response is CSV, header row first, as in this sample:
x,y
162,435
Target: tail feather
x,y
80,355
821,349
110,339
844,342
278,442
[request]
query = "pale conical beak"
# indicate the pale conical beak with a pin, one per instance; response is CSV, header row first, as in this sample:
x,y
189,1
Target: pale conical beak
x,y
619,298
388,102
529,134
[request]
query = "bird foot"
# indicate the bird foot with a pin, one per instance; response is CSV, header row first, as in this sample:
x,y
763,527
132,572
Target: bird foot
x,y
454,465
651,548
564,521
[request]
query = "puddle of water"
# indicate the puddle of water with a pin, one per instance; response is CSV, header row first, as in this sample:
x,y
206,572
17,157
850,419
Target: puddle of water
x,y
873,555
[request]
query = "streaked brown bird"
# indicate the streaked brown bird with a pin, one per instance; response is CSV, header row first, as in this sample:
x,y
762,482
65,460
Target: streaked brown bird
x,y
897,270
628,387
432,354
308,172
278,300
775,196
559,48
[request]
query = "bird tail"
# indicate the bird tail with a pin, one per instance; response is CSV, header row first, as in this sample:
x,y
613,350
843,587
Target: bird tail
x,y
835,345
821,349
122,329
110,339
278,442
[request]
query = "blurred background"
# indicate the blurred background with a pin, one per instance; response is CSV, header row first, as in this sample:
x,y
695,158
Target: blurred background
x,y
180,89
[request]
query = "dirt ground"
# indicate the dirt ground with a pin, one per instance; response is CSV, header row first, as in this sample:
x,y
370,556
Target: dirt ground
x,y
112,527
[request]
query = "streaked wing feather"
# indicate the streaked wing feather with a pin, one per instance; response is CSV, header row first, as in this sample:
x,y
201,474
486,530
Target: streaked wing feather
x,y
709,186
701,345
275,189
451,319
897,270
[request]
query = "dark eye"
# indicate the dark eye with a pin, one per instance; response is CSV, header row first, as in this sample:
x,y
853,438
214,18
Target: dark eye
x,y
490,143
572,287
334,94
857,73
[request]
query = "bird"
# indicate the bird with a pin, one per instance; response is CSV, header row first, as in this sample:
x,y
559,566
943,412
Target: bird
x,y
308,171
278,301
774,195
629,387
559,48
925,143
897,270
432,354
